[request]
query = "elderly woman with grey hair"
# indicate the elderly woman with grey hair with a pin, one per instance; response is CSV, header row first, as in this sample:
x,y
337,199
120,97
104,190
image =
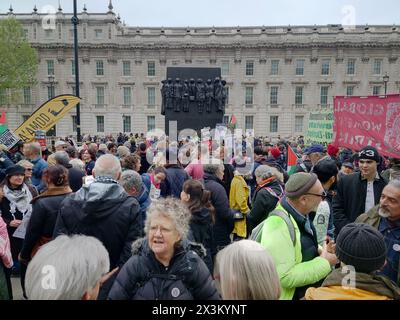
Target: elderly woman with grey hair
x,y
267,194
253,269
164,265
74,267
224,218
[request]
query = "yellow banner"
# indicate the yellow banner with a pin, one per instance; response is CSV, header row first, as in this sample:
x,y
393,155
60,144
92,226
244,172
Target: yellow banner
x,y
46,116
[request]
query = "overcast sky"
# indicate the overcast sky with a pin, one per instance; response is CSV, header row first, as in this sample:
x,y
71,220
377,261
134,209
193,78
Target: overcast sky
x,y
171,13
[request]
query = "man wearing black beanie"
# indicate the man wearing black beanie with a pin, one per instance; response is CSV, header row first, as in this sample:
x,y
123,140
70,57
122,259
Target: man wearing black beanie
x,y
358,192
362,251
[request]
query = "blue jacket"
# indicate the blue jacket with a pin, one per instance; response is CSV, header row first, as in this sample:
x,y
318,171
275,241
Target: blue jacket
x,y
173,184
38,166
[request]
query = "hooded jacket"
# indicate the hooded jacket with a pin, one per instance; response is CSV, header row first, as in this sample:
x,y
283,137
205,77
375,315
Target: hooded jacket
x,y
43,219
367,287
106,212
223,214
143,277
201,232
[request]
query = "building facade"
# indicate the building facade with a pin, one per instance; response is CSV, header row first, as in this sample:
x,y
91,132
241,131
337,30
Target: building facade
x,y
275,75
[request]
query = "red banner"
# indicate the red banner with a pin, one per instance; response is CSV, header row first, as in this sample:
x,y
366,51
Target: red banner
x,y
373,120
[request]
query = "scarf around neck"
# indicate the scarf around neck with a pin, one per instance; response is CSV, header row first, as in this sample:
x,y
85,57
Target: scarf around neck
x,y
19,199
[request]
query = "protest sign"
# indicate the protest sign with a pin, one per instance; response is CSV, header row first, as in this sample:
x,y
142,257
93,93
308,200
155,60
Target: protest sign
x,y
320,128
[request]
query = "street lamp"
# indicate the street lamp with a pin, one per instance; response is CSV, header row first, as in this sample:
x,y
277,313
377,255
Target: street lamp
x,y
75,22
52,131
385,80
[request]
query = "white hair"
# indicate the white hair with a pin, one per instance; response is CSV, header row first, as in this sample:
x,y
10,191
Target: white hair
x,y
264,172
246,271
107,165
123,151
66,268
212,165
131,179
172,209
77,163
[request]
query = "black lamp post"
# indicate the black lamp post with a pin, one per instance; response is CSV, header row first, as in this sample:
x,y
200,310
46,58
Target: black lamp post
x,y
75,22
385,80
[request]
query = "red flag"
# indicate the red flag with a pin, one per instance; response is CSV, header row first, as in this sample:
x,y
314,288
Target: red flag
x,y
3,118
291,161
233,119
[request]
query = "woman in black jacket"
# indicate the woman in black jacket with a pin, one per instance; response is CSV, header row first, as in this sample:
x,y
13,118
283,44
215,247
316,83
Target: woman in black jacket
x,y
16,208
45,210
224,222
203,216
163,265
267,194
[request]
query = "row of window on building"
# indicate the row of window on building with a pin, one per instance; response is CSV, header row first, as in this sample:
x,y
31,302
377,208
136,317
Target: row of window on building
x,y
225,67
127,95
151,123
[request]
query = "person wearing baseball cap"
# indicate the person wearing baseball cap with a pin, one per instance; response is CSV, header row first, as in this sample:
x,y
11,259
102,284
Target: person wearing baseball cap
x,y
61,145
362,251
358,192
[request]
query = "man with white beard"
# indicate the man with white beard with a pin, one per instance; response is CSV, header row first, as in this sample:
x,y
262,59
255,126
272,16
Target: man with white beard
x,y
386,218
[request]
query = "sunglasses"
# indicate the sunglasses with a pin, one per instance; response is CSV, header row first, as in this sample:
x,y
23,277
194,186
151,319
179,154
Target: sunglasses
x,y
323,195
29,169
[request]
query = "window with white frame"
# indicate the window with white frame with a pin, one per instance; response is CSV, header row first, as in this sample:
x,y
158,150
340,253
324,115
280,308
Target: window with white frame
x,y
273,97
273,123
249,67
73,67
300,67
351,66
126,124
126,68
151,96
100,123
377,68
324,96
98,33
74,123
100,67
51,92
151,123
248,122
376,90
325,67
274,67
225,68
248,101
48,33
27,95
350,91
127,96
100,96
151,68
298,97
50,67
298,123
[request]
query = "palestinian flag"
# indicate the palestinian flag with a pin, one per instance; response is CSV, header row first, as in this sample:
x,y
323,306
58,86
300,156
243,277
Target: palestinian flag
x,y
291,161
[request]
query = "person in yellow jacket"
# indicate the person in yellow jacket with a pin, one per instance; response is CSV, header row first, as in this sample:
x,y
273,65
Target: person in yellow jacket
x,y
238,199
362,252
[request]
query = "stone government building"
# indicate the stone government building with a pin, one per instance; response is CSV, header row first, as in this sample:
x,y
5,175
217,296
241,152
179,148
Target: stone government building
x,y
275,75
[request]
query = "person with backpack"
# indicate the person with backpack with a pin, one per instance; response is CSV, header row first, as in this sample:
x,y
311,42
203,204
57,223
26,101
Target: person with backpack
x,y
290,237
165,265
268,192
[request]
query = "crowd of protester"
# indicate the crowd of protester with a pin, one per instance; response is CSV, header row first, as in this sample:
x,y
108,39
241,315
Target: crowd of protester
x,y
136,218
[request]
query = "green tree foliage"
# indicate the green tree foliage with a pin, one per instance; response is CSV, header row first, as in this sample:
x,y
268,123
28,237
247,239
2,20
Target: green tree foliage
x,y
18,61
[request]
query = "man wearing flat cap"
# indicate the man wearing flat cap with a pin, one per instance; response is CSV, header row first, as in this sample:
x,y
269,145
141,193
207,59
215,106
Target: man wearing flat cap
x,y
290,237
360,191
